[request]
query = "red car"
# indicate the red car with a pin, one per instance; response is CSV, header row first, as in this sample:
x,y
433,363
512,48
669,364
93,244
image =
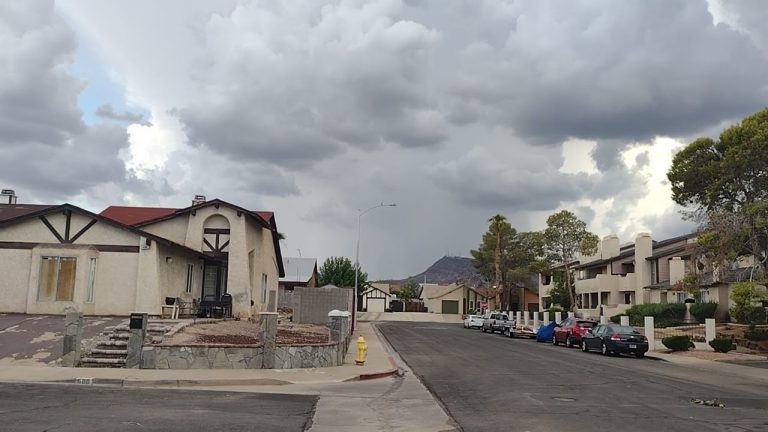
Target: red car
x,y
571,330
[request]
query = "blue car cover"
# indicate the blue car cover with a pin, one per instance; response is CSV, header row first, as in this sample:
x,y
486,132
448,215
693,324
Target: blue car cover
x,y
545,332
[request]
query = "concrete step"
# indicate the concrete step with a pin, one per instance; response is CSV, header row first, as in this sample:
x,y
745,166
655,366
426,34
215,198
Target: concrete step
x,y
119,336
113,343
115,352
102,361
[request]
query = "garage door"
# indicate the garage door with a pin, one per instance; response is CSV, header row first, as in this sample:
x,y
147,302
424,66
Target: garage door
x,y
450,306
376,304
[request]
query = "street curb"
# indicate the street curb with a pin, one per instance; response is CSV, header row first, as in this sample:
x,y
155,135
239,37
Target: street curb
x,y
374,375
653,357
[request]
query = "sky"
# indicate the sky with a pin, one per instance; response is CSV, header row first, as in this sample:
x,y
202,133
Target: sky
x,y
453,110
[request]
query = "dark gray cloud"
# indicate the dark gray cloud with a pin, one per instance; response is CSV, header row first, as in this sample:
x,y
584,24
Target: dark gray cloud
x,y
59,171
47,150
38,99
106,111
530,182
349,76
606,70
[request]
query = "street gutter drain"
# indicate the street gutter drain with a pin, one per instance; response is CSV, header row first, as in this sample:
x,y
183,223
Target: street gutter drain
x,y
564,399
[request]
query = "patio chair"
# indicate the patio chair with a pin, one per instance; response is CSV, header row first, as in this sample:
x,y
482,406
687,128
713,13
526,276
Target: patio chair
x,y
226,305
187,308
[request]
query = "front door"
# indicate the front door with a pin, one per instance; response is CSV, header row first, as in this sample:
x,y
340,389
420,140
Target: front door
x,y
214,279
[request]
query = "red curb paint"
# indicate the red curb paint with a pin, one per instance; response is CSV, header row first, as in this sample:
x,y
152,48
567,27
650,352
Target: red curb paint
x,y
382,374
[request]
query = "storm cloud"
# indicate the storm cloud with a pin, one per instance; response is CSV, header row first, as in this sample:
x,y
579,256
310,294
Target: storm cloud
x,y
454,109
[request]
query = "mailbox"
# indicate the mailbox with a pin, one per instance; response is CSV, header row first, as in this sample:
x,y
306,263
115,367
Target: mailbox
x,y
136,321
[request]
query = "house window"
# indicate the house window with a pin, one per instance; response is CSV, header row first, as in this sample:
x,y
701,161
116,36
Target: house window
x,y
627,298
190,272
57,278
91,281
263,288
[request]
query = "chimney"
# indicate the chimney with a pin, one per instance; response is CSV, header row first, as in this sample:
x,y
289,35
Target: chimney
x,y
8,196
198,199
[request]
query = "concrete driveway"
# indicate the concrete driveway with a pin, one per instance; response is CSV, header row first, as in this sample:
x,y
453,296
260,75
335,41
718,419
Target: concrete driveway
x,y
38,338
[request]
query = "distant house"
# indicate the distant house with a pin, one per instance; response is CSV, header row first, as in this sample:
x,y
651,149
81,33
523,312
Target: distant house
x,y
299,272
451,299
375,299
61,257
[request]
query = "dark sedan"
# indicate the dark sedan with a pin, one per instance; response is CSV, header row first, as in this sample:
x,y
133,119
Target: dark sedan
x,y
615,339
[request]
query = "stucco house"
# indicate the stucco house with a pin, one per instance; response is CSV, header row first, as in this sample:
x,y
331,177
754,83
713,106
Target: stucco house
x,y
621,275
55,258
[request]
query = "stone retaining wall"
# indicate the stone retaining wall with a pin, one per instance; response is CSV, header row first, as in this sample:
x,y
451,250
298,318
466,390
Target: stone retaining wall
x,y
240,357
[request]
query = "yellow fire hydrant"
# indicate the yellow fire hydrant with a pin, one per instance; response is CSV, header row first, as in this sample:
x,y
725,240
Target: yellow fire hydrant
x,y
362,351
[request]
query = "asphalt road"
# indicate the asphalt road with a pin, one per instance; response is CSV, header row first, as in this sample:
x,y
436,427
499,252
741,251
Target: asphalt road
x,y
492,383
65,408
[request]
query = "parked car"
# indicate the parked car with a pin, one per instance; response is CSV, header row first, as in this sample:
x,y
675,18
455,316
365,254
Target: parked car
x,y
614,339
571,330
494,322
473,321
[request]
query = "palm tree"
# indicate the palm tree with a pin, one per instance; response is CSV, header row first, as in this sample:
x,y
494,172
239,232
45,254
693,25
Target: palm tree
x,y
498,226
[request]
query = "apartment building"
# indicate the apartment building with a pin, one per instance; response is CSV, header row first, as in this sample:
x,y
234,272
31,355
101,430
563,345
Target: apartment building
x,y
621,275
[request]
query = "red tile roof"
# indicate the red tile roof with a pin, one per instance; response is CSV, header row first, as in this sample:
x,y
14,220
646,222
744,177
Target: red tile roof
x,y
266,215
139,215
136,215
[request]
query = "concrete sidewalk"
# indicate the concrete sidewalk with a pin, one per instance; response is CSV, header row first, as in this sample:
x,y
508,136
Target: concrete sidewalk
x,y
718,367
378,364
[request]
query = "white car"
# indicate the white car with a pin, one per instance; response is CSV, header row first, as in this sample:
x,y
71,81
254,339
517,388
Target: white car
x,y
473,321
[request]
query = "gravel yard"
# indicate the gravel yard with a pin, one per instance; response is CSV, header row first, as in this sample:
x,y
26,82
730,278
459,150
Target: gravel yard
x,y
247,333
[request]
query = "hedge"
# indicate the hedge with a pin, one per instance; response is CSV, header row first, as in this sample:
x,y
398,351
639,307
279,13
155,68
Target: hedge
x,y
664,315
702,311
721,344
678,343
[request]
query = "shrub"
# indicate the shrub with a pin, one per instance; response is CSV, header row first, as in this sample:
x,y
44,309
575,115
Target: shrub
x,y
745,296
757,315
616,319
677,343
756,334
721,344
702,311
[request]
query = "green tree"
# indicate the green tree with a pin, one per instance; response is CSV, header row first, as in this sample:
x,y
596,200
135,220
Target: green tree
x,y
560,294
725,183
340,271
490,258
566,237
409,291
746,297
506,255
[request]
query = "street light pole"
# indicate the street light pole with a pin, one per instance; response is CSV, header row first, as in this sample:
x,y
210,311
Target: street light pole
x,y
360,214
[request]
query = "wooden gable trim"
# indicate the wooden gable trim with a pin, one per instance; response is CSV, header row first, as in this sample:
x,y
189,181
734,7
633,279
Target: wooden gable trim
x,y
100,247
52,229
66,239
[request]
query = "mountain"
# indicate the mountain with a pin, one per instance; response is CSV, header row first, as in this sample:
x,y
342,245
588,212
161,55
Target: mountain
x,y
448,270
